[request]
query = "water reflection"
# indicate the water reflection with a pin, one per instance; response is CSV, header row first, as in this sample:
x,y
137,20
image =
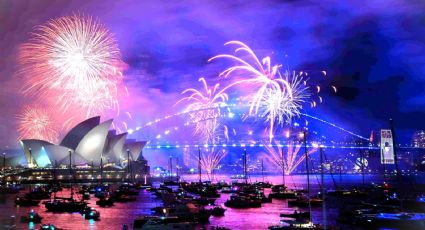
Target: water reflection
x,y
124,213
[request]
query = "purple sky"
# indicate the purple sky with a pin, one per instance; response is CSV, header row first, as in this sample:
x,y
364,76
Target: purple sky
x,y
372,50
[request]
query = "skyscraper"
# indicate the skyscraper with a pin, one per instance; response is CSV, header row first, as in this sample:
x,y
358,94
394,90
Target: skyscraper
x,y
418,139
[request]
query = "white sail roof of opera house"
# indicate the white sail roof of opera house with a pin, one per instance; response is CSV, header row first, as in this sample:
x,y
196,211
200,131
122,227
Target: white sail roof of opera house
x,y
38,154
86,143
135,148
115,146
92,145
74,137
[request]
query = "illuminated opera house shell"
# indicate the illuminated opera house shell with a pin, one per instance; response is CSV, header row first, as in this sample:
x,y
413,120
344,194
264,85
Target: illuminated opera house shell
x,y
86,143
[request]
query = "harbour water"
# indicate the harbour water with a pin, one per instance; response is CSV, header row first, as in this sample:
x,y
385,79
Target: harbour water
x,y
124,213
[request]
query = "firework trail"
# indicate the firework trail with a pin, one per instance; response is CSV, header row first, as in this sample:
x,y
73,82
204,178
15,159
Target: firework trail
x,y
278,97
206,110
210,160
289,160
36,123
278,107
75,60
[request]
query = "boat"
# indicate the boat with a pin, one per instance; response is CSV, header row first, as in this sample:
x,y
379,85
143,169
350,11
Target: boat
x,y
238,201
71,205
293,225
39,193
263,184
348,193
185,212
90,213
32,217
86,196
286,194
124,198
105,202
281,192
49,227
218,211
204,201
305,202
296,215
260,196
128,189
25,202
299,225
219,228
161,223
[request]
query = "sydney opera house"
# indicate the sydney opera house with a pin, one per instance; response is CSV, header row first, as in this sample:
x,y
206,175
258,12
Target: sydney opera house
x,y
90,144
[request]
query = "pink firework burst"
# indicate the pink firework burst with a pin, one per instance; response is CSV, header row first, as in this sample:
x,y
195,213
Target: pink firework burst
x,y
74,59
36,123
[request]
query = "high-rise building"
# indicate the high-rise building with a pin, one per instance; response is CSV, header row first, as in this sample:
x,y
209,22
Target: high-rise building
x,y
418,139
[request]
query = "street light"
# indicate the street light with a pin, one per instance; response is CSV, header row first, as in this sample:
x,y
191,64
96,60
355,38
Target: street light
x,y
30,163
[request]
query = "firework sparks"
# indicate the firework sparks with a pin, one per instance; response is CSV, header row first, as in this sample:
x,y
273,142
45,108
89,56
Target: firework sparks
x,y
76,60
206,109
36,123
278,106
289,160
278,98
211,159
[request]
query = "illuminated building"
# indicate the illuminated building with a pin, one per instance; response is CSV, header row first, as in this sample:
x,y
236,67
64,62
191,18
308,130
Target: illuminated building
x,y
418,139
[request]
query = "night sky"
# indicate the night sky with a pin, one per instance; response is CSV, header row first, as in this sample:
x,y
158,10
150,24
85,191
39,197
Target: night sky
x,y
373,51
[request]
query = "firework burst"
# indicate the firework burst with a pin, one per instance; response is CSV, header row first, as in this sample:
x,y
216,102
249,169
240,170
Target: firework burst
x,y
204,109
211,159
276,98
75,59
278,106
289,160
36,123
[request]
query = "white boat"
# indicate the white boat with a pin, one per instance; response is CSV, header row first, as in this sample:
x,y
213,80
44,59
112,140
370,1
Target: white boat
x,y
161,223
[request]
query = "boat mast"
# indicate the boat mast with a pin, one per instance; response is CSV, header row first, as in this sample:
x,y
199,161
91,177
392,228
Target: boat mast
x,y
177,168
307,170
199,165
323,188
245,171
171,168
262,169
70,172
283,170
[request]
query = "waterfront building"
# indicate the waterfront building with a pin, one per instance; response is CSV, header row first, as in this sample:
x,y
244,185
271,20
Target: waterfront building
x,y
418,139
89,151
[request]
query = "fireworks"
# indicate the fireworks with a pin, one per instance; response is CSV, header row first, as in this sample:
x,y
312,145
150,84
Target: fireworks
x,y
204,109
74,59
36,123
211,159
289,160
278,106
279,98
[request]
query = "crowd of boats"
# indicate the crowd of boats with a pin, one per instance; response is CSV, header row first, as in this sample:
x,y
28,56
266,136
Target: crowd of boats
x,y
188,205
76,202
370,207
